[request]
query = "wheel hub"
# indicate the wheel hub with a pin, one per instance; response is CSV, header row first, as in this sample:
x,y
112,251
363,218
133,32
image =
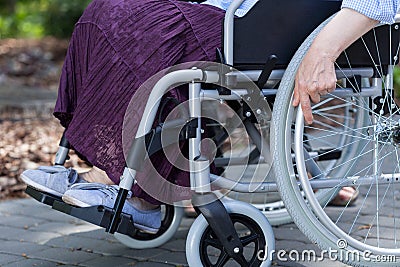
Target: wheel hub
x,y
396,136
388,134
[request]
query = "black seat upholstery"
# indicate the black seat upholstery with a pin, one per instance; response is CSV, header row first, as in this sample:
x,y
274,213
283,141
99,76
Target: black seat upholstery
x,y
277,27
280,26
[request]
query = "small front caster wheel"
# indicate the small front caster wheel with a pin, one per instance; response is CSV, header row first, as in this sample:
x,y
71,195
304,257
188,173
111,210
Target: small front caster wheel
x,y
204,249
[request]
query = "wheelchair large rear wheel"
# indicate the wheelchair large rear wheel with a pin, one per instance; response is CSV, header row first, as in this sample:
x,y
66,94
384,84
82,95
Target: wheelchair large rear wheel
x,y
364,234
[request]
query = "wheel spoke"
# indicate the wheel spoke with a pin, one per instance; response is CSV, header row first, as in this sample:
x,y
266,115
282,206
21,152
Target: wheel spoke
x,y
249,239
213,242
222,259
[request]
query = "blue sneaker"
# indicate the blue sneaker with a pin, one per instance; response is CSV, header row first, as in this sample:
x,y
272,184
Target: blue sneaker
x,y
54,180
95,194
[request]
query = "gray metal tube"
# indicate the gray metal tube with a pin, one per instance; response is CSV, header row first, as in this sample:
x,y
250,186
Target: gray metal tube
x,y
243,187
194,143
315,183
201,175
61,155
127,179
159,89
228,30
261,144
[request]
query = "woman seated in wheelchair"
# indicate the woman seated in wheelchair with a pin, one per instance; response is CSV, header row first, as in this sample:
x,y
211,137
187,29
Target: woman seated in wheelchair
x,y
119,44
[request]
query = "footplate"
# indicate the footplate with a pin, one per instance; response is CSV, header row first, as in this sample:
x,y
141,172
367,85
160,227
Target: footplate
x,y
98,215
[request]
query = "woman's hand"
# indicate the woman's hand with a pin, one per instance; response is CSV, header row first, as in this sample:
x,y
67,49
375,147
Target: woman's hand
x,y
315,77
316,74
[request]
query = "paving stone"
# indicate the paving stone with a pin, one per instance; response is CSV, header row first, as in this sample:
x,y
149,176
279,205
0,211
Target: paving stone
x,y
32,262
384,233
76,241
26,234
20,221
51,215
27,202
175,245
181,233
186,223
153,264
100,233
7,258
107,261
109,246
289,234
305,259
116,249
21,248
324,263
42,214
286,264
62,228
64,256
39,211
143,254
177,258
383,221
9,207
291,245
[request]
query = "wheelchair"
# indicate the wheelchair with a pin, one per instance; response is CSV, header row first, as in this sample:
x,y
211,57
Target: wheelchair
x,y
353,141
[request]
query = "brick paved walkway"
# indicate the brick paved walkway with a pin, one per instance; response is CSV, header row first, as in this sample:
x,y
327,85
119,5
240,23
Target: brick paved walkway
x,y
32,234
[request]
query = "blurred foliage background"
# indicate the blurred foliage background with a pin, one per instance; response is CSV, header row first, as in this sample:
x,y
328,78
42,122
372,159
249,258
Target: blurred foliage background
x,y
38,18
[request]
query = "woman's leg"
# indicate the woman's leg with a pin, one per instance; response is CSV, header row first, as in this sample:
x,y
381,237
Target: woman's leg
x,y
116,46
96,175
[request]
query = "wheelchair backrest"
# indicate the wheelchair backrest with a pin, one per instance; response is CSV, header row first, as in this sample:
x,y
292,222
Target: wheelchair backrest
x,y
277,27
280,26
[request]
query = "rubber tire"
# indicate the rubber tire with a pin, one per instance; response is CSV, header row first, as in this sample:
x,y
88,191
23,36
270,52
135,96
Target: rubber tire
x,y
200,225
158,240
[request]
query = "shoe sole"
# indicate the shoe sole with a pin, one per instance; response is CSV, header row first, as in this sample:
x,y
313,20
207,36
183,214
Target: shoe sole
x,y
39,187
76,202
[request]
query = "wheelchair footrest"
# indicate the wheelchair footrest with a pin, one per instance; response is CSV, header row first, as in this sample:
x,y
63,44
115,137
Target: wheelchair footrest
x,y
43,197
98,215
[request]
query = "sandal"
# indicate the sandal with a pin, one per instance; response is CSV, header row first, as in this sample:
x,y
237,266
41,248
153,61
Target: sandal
x,y
190,212
345,197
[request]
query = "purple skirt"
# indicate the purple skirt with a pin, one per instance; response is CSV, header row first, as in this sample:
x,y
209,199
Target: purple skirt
x,y
115,47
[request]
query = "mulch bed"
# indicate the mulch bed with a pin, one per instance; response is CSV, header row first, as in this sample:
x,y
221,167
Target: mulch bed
x,y
27,144
28,139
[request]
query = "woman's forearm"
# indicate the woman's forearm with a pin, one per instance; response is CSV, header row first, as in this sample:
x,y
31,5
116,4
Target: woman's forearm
x,y
345,28
316,74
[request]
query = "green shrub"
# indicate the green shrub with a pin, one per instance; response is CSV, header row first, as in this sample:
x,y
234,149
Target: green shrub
x,y
61,16
35,19
22,19
396,81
